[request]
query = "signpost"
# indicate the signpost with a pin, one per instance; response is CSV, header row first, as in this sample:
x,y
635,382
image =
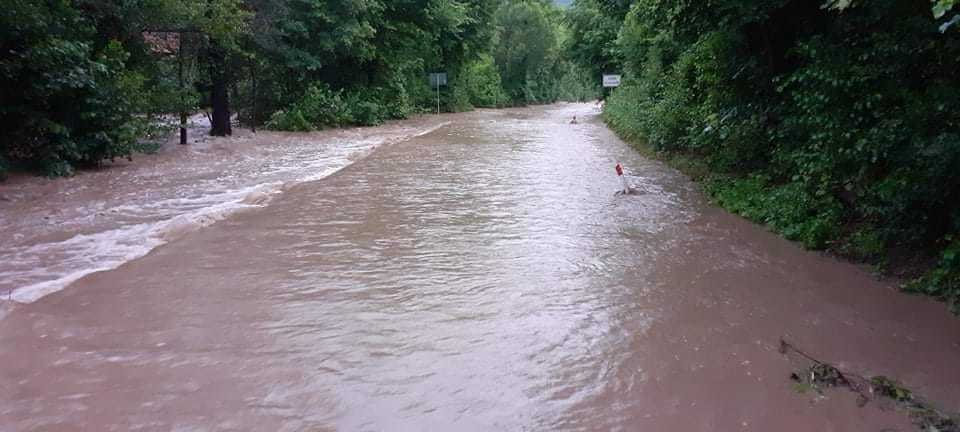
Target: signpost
x,y
438,79
611,81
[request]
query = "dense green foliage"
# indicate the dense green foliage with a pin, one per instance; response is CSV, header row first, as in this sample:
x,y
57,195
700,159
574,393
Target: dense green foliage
x,y
595,25
80,82
88,80
67,96
483,84
528,47
837,125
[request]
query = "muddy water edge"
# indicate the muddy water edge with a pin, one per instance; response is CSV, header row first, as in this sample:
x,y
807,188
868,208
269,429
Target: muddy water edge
x,y
480,275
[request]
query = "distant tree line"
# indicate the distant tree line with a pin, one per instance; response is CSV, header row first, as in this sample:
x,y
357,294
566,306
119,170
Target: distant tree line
x,y
835,123
88,80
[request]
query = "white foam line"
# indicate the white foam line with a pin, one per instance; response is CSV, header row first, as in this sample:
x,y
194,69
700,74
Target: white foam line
x,y
136,241
82,246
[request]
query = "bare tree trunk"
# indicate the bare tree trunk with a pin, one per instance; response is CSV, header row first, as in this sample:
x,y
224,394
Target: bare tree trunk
x,y
235,91
219,95
183,109
253,98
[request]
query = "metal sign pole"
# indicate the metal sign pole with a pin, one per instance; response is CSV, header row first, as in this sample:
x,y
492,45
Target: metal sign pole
x,y
438,79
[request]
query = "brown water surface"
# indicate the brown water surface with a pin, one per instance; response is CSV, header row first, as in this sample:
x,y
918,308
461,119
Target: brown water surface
x,y
480,275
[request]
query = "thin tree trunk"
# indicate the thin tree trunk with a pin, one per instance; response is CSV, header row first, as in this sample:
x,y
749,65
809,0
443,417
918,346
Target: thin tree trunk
x,y
235,91
253,98
219,96
183,109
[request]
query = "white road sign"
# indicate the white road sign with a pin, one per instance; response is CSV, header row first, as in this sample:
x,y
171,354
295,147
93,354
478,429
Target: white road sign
x,y
611,80
438,79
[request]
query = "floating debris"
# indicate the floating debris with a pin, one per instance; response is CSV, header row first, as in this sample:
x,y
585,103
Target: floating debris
x,y
820,375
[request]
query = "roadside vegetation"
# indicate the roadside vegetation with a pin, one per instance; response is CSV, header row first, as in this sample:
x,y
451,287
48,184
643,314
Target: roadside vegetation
x,y
86,81
836,123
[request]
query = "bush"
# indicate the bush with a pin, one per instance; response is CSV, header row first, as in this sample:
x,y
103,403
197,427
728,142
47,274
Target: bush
x,y
458,98
365,112
321,107
482,83
943,282
66,100
625,112
318,108
576,84
865,244
324,108
789,209
291,121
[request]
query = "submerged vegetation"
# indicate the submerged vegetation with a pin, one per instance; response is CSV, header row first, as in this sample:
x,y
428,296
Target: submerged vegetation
x,y
85,80
835,123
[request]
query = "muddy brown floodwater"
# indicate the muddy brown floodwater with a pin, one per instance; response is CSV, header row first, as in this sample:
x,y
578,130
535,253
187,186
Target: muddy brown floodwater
x,y
462,272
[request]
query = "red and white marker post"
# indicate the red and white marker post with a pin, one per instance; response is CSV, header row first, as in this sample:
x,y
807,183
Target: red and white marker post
x,y
623,178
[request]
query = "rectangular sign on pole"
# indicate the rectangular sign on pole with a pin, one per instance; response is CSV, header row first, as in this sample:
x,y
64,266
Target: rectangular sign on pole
x,y
611,80
438,79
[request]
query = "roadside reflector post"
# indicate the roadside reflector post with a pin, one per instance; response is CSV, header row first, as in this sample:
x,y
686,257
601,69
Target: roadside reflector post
x,y
623,179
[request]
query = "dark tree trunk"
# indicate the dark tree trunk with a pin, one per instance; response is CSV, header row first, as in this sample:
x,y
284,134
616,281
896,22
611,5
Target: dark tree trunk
x,y
253,98
219,96
183,112
235,91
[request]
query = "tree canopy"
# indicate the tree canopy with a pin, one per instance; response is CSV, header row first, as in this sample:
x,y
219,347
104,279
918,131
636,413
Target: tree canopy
x,y
89,80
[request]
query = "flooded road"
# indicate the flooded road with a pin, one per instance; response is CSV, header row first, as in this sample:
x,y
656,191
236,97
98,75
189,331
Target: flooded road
x,y
465,272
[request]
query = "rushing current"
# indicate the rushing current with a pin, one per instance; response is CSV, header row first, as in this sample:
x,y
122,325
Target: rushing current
x,y
465,272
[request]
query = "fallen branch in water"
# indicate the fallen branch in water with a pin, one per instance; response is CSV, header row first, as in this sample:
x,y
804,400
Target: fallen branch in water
x,y
821,374
824,374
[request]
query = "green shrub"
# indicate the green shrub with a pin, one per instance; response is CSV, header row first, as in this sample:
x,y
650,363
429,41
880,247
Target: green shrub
x,y
483,84
318,108
324,108
398,101
321,107
53,167
458,98
67,102
865,244
625,110
365,112
789,209
292,121
943,281
576,84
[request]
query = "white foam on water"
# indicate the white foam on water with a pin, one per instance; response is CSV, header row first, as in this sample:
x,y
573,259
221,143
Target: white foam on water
x,y
76,257
42,269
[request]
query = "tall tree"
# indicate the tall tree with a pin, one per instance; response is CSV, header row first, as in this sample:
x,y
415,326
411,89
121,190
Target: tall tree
x,y
526,46
594,25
